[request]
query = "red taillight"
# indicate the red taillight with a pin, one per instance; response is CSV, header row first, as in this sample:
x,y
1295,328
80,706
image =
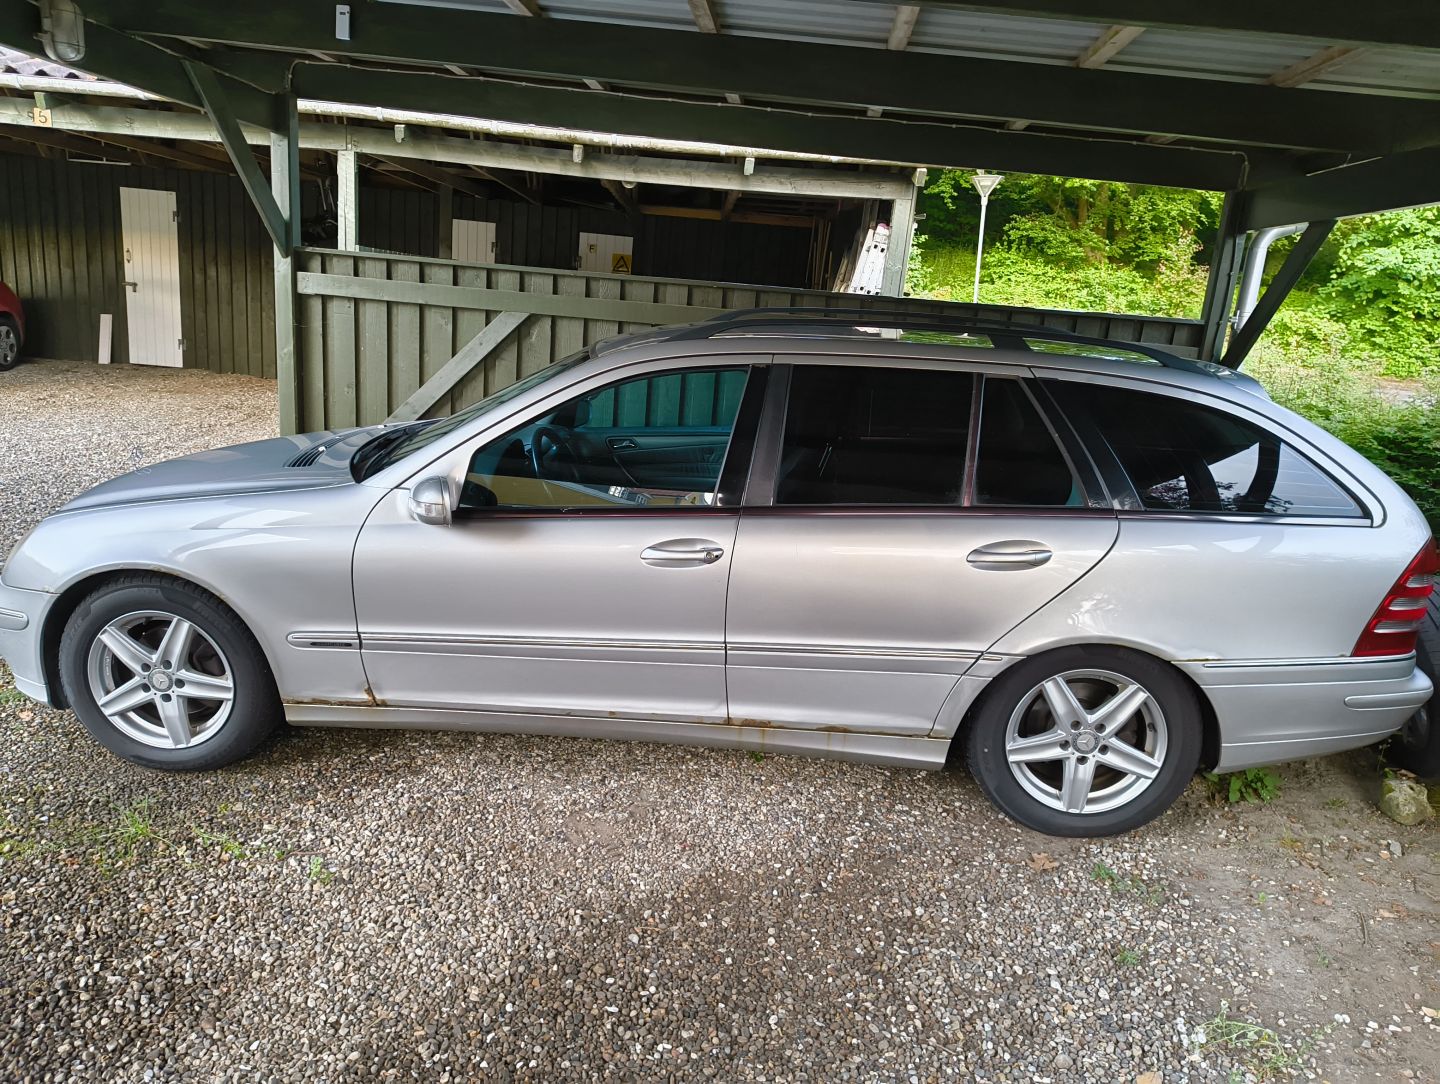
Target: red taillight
x,y
1393,629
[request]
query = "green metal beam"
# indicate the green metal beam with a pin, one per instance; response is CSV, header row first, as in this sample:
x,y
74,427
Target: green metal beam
x,y
1381,184
125,59
217,104
784,70
1298,258
285,186
1226,258
886,138
1408,23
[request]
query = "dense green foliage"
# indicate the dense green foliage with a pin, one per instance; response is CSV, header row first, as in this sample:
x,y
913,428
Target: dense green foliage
x,y
1372,294
1367,309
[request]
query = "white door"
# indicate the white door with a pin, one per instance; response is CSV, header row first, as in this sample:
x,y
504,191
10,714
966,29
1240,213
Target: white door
x,y
472,242
152,276
607,252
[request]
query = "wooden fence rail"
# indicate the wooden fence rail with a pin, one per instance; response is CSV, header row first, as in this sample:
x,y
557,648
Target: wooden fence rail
x,y
385,336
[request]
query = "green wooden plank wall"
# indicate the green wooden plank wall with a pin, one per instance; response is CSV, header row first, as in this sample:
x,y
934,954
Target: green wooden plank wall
x,y
361,357
61,251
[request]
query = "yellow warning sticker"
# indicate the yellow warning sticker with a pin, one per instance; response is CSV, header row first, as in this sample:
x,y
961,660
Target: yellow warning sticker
x,y
620,263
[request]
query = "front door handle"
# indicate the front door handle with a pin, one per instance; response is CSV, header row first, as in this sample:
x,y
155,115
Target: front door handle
x,y
622,444
683,553
1013,553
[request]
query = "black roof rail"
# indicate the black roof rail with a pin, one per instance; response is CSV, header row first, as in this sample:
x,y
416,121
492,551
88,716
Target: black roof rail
x,y
1007,334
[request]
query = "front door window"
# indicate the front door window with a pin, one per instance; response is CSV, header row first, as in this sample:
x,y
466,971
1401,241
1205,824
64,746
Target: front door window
x,y
654,441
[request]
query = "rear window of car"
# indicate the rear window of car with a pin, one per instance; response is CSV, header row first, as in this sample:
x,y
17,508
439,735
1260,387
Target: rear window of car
x,y
1182,456
860,435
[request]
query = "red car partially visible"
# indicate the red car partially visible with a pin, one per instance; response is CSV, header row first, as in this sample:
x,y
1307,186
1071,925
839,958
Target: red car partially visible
x,y
12,328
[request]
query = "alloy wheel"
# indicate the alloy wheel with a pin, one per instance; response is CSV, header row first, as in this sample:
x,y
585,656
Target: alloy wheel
x,y
1086,741
9,345
160,679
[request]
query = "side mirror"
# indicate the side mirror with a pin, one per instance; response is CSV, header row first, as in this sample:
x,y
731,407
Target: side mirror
x,y
430,501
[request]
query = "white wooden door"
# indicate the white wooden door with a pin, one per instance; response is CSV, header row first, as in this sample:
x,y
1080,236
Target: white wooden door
x,y
472,242
607,252
152,276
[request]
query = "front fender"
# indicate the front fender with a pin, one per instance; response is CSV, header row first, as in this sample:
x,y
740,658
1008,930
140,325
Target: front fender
x,y
281,561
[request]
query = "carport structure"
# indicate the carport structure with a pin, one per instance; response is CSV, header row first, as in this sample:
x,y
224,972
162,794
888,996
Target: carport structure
x,y
1301,111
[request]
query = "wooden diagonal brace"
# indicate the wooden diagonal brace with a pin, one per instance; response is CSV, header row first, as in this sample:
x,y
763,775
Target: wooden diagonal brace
x,y
217,105
453,371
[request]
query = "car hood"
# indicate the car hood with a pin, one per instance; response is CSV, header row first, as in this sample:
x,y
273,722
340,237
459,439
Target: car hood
x,y
284,463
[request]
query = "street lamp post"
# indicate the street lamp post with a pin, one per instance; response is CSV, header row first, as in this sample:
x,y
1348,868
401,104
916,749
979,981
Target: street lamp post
x,y
984,183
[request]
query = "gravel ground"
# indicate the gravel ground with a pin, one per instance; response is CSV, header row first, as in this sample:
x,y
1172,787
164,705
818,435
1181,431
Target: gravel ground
x,y
459,907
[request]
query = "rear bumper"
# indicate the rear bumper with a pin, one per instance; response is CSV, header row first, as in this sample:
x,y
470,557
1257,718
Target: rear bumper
x,y
1274,710
22,616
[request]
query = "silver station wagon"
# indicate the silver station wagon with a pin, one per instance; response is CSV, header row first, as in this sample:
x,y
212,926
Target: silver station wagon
x,y
1091,567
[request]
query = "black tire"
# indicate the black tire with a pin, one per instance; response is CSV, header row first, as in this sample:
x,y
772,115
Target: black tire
x,y
1416,747
254,711
9,354
1174,712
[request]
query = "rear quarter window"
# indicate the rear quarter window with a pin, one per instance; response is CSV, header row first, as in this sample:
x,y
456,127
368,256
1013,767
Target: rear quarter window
x,y
1182,456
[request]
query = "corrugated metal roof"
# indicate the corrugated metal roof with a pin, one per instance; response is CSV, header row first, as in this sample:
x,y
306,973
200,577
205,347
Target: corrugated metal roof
x,y
667,14
866,25
1251,58
982,34
1406,71
14,62
1209,55
1180,53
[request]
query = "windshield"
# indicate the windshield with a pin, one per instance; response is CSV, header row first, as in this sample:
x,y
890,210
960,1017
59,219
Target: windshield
x,y
398,443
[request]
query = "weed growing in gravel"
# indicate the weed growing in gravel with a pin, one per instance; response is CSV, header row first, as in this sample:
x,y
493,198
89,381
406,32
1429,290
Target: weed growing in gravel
x,y
1106,875
319,872
1336,803
13,843
134,830
228,845
8,693
1251,785
1264,1055
1127,957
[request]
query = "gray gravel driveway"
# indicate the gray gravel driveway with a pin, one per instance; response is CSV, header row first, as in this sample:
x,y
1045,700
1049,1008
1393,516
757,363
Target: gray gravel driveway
x,y
430,906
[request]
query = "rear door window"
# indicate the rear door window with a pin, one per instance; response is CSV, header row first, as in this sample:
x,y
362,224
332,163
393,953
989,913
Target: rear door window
x,y
869,435
1184,457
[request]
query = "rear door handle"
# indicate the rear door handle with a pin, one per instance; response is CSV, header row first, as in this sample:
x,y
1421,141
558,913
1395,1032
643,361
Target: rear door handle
x,y
1013,553
683,553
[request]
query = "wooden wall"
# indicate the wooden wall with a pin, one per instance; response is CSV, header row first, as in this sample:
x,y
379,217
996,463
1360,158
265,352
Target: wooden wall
x,y
534,235
60,250
373,329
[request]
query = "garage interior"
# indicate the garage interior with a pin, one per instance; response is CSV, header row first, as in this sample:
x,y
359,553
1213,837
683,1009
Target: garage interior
x,y
1300,113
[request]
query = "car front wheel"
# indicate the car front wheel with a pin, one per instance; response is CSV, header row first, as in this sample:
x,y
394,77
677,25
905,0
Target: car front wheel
x,y
163,674
1086,741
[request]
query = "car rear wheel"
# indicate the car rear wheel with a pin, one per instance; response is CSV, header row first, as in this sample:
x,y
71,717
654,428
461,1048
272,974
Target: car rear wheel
x,y
163,674
1417,747
1086,741
9,344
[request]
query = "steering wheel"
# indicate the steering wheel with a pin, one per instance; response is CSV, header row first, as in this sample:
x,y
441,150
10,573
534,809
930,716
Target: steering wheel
x,y
563,463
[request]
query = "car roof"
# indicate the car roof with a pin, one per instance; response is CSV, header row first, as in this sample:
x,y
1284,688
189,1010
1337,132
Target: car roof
x,y
881,333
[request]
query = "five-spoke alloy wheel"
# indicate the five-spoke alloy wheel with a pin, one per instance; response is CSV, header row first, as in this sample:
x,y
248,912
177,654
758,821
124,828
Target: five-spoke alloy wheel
x,y
1086,740
165,675
160,680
